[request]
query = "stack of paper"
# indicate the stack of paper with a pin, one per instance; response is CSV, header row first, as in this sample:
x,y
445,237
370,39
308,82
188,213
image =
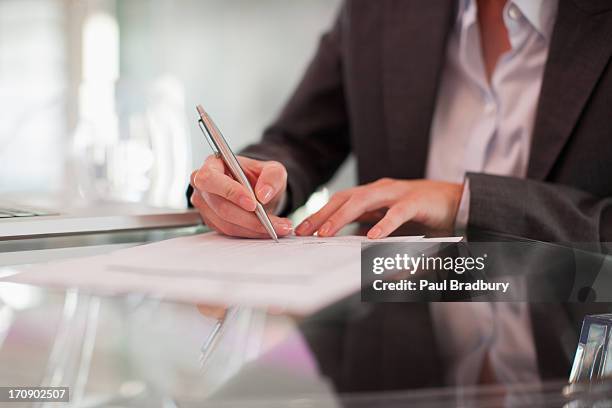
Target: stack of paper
x,y
298,274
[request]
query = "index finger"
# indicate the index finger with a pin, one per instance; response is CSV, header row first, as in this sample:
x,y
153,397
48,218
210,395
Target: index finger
x,y
211,178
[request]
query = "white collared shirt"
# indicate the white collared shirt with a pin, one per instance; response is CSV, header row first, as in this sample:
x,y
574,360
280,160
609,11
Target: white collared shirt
x,y
486,127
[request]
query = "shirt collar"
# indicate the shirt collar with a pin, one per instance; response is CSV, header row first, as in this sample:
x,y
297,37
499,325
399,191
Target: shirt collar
x,y
541,14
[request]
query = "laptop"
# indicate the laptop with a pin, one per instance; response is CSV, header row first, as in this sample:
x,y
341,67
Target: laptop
x,y
30,216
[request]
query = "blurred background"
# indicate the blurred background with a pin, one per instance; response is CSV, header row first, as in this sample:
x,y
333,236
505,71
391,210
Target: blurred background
x,y
97,97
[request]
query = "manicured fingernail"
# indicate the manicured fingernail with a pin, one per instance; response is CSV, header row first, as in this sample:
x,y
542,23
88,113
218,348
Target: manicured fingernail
x,y
246,203
374,233
284,228
265,193
324,230
304,227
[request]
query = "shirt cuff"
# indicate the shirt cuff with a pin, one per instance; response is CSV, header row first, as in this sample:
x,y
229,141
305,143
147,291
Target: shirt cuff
x,y
463,212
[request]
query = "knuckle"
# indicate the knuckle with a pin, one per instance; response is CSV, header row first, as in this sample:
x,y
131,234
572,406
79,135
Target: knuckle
x,y
210,159
231,192
203,178
359,197
338,216
402,209
339,196
278,166
274,164
320,216
394,213
401,205
333,221
413,198
383,181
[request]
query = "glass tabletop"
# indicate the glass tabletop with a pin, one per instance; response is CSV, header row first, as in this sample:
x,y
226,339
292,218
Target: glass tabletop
x,y
135,351
138,350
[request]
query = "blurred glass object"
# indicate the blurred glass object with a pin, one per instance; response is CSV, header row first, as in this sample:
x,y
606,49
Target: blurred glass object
x,y
241,59
97,96
123,149
145,157
169,137
593,359
96,148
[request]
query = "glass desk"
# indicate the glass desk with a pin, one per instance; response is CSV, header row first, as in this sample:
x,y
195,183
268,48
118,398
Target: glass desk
x,y
139,351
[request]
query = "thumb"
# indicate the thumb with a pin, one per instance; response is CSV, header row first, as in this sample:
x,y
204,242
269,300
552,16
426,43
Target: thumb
x,y
271,181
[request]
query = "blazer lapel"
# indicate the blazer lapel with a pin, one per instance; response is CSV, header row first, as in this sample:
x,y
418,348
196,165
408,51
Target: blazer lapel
x,y
414,49
579,51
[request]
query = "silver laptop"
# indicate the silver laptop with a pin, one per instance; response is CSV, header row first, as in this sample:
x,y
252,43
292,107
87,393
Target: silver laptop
x,y
30,216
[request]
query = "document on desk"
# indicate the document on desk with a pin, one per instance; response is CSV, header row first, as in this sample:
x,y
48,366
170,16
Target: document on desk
x,y
297,274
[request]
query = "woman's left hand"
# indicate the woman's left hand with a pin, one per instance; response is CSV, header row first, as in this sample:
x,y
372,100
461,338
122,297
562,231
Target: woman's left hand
x,y
431,203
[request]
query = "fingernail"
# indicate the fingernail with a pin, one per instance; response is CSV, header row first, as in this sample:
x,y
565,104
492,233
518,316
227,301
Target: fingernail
x,y
324,230
284,228
304,228
246,203
265,193
374,233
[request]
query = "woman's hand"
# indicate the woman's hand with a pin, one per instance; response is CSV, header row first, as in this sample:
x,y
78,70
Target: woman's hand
x,y
228,207
432,203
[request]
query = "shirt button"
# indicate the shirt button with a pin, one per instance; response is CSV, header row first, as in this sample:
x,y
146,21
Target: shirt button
x,y
513,12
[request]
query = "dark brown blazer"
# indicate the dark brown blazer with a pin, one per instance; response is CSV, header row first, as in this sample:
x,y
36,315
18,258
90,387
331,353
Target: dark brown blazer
x,y
371,90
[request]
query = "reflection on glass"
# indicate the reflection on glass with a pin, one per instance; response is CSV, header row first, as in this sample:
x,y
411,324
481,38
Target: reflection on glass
x,y
593,357
606,369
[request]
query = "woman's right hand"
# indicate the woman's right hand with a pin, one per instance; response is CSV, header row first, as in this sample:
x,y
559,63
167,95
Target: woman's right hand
x,y
228,207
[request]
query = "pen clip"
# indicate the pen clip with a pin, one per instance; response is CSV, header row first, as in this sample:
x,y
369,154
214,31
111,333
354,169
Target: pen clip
x,y
209,139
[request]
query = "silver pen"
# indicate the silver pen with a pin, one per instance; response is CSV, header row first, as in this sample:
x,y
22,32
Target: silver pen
x,y
222,150
215,335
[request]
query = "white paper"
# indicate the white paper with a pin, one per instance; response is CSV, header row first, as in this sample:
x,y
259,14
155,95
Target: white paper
x,y
298,274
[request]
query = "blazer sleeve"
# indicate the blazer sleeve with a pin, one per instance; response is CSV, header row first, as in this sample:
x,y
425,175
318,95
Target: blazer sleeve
x,y
538,210
311,136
